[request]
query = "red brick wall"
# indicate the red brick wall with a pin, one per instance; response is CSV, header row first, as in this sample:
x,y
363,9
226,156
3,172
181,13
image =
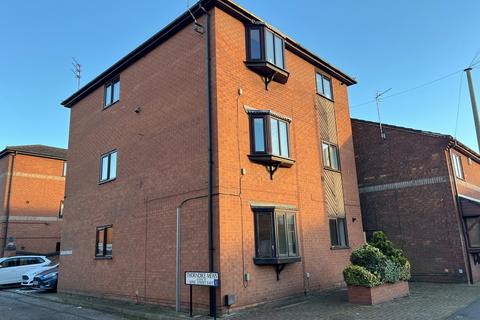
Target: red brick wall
x,y
300,185
162,160
421,219
36,191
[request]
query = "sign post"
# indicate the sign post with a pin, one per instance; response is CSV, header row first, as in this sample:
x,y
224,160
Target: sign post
x,y
204,279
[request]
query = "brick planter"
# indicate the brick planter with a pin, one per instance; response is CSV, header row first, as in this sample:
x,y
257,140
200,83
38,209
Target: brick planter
x,y
379,294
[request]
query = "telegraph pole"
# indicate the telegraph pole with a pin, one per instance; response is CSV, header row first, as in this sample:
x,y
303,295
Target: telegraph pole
x,y
476,117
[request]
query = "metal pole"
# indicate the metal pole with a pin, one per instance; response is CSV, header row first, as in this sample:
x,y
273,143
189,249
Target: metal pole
x,y
177,264
191,301
474,104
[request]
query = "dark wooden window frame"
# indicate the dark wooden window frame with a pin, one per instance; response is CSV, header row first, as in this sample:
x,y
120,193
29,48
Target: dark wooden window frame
x,y
107,104
270,71
337,232
104,254
468,233
276,258
267,157
108,154
330,158
323,76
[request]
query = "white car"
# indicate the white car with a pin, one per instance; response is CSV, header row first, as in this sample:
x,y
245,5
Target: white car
x,y
12,268
27,278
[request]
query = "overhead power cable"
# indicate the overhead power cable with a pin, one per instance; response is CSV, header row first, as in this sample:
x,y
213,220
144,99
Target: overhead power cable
x,y
411,89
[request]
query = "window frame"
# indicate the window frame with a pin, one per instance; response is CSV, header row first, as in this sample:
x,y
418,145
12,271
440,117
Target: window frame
x,y
329,167
106,86
267,134
108,154
323,77
104,254
276,257
60,209
263,44
338,245
458,166
468,233
64,170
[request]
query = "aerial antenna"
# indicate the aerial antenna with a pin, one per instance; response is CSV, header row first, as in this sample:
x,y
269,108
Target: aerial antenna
x,y
378,95
77,71
197,26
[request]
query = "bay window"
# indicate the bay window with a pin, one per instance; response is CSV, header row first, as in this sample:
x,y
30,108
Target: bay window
x,y
270,137
266,53
275,236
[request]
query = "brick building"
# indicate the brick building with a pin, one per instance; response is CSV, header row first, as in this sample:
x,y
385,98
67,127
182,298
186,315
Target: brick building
x,y
423,190
285,214
32,186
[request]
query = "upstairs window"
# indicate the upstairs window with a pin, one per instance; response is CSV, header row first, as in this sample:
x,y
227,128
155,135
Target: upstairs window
x,y
64,171
275,236
266,53
331,159
265,45
457,166
111,93
324,86
103,247
270,134
108,166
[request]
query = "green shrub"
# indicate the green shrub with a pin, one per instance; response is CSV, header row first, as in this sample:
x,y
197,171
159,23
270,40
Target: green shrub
x,y
386,246
405,274
392,271
359,276
370,258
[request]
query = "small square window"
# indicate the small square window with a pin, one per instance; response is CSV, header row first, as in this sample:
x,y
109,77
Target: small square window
x,y
330,155
104,239
324,86
338,232
108,166
111,93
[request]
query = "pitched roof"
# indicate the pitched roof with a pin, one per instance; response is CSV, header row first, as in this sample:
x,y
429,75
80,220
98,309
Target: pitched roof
x,y
183,20
451,141
37,150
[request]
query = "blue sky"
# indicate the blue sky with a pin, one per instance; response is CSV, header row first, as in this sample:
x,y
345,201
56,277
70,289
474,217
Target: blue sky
x,y
383,44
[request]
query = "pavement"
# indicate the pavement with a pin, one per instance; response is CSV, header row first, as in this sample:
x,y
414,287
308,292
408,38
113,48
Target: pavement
x,y
21,306
426,301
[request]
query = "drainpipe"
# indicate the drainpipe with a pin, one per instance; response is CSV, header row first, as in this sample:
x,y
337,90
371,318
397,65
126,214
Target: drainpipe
x,y
9,192
461,221
211,248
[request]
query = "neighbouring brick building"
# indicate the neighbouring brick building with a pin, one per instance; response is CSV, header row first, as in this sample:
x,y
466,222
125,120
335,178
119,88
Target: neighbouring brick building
x,y
32,187
285,214
423,190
